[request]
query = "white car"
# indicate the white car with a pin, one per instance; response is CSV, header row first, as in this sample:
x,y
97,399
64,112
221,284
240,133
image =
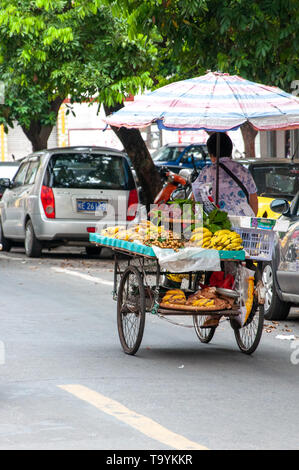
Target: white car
x,y
59,196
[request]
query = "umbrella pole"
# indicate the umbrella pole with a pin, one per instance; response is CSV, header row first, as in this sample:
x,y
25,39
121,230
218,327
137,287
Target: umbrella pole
x,y
217,166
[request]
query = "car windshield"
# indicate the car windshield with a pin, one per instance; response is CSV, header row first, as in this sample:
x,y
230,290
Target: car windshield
x,y
8,171
167,154
198,153
276,180
89,171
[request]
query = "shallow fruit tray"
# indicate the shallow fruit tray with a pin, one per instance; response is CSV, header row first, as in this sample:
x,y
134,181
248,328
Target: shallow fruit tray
x,y
139,249
176,310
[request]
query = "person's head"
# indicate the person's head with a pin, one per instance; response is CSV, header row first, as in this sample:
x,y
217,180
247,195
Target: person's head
x,y
226,145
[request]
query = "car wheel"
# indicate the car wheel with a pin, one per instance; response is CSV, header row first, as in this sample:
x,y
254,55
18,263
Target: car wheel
x,y
6,244
274,308
93,250
33,246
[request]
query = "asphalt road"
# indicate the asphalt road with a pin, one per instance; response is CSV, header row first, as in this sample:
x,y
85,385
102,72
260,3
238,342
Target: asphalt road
x,y
66,384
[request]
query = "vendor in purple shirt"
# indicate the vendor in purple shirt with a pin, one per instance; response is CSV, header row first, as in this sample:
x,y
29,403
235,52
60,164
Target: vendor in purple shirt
x,y
233,199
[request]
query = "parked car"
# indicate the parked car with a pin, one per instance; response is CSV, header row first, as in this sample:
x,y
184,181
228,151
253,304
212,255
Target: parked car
x,y
274,178
281,276
8,171
179,156
60,195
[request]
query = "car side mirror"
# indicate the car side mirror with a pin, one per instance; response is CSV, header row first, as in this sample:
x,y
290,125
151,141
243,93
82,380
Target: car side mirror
x,y
5,183
281,206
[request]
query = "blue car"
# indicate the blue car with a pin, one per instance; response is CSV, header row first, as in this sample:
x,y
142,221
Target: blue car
x,y
179,156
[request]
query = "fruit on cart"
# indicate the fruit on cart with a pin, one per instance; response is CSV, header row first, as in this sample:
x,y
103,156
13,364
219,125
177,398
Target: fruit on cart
x,y
207,292
201,237
208,297
203,302
223,239
174,296
226,240
175,277
175,291
122,235
111,231
204,298
147,233
166,240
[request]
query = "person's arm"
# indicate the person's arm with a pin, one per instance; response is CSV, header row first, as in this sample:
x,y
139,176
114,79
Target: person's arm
x,y
253,202
252,189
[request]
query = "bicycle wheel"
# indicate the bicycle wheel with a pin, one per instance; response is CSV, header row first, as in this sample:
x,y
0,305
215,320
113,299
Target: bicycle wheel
x,y
249,336
131,310
204,334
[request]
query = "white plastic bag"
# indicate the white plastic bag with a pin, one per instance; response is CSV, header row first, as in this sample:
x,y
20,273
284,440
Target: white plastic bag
x,y
244,285
188,259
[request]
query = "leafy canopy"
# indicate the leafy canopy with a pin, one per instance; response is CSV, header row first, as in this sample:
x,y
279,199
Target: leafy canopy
x,y
50,50
255,39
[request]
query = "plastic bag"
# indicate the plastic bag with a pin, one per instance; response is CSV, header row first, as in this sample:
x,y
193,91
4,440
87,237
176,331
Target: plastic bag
x,y
244,285
188,259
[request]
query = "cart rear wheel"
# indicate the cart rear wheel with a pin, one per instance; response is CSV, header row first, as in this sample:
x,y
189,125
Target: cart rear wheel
x,y
249,336
204,334
131,310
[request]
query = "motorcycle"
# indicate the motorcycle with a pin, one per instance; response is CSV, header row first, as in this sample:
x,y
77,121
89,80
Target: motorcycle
x,y
176,186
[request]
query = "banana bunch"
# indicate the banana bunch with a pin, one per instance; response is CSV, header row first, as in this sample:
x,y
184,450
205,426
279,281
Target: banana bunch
x,y
226,240
175,277
203,303
174,296
201,237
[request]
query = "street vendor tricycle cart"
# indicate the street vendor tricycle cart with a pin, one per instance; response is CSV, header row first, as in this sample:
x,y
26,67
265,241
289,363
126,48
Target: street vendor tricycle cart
x,y
140,284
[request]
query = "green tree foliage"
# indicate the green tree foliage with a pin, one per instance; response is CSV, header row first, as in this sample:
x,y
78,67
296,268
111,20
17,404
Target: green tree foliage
x,y
56,49
255,39
51,50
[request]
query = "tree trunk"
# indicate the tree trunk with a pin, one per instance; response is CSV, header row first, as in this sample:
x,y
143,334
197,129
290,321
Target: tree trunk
x,y
140,157
249,134
38,133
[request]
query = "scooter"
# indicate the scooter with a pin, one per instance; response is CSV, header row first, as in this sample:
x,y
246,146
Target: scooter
x,y
176,186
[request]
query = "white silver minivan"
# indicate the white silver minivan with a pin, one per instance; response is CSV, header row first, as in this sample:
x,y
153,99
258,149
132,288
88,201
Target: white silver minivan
x,y
59,196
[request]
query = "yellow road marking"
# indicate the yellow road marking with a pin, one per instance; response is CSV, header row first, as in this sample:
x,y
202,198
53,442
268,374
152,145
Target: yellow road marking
x,y
143,424
2,143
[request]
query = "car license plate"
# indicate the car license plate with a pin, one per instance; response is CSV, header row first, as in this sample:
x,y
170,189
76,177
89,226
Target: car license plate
x,y
91,206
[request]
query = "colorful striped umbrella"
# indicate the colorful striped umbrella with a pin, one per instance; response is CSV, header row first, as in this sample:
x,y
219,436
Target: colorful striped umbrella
x,y
213,102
